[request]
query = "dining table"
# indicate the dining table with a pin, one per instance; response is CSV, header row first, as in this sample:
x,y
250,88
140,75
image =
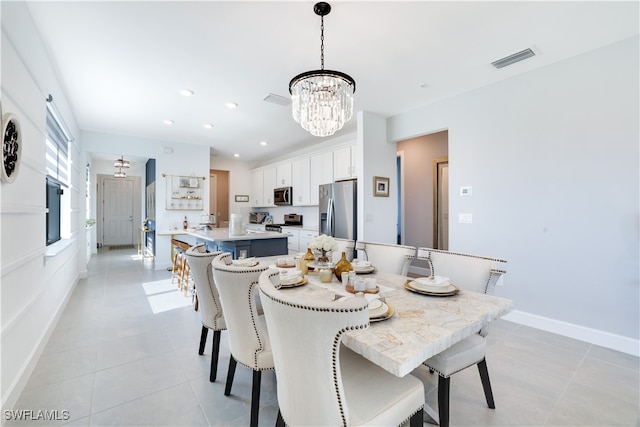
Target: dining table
x,y
420,326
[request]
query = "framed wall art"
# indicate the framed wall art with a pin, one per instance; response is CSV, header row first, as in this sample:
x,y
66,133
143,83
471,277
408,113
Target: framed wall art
x,y
11,147
380,186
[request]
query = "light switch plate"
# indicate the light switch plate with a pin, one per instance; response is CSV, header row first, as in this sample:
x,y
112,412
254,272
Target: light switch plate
x,y
465,218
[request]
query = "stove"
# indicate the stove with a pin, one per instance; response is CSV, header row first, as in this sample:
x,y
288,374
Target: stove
x,y
289,219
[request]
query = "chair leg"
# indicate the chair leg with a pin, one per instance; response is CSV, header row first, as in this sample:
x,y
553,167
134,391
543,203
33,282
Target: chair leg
x,y
230,373
443,401
203,339
255,398
417,420
215,349
280,420
195,307
486,384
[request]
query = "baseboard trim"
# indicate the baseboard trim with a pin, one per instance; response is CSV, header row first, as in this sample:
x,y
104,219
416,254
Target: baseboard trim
x,y
593,336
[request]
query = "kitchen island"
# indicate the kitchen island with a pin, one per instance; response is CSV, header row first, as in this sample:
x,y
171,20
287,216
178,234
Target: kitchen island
x,y
256,244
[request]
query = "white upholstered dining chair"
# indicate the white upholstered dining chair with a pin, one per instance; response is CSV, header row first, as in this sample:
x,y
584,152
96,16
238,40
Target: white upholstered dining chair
x,y
247,330
320,381
387,257
472,273
209,307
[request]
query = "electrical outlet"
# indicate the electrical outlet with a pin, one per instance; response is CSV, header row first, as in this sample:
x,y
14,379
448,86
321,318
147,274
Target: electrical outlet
x,y
465,191
465,218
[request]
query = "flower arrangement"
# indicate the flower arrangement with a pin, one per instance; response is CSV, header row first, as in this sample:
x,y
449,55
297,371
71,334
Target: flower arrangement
x,y
323,243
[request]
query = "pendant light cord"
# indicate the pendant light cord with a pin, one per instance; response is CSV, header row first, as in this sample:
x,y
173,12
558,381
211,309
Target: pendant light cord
x,y
322,42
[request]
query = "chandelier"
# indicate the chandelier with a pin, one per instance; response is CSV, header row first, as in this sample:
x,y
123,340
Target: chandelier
x,y
120,163
322,100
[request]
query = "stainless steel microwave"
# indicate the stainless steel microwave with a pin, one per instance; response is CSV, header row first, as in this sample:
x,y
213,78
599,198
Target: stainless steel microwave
x,y
282,196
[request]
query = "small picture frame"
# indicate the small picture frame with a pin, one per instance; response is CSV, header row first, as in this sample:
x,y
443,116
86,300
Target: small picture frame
x,y
380,186
242,198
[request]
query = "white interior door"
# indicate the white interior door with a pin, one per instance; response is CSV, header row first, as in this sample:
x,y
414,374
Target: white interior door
x,y
118,211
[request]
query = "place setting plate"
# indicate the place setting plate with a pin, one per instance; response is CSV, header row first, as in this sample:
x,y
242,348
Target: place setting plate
x,y
364,269
302,281
380,310
433,286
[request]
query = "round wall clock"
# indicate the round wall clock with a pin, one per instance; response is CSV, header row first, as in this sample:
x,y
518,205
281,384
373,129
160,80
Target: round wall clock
x,y
11,147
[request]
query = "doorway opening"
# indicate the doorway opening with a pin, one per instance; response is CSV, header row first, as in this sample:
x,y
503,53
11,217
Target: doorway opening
x,y
219,196
441,203
119,209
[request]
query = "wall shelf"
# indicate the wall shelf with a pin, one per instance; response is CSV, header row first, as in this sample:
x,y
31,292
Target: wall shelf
x,y
184,193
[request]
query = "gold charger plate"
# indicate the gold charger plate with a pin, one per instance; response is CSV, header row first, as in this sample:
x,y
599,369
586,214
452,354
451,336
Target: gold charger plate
x,y
303,281
455,290
285,265
386,316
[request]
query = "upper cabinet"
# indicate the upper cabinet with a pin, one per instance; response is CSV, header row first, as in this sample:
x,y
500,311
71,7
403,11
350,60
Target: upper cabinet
x,y
283,175
263,181
321,172
304,174
344,163
269,183
301,181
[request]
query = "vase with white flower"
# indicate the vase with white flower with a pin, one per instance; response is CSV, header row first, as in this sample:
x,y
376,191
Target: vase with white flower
x,y
322,245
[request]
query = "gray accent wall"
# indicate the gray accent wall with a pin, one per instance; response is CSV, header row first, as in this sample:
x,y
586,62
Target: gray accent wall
x,y
553,158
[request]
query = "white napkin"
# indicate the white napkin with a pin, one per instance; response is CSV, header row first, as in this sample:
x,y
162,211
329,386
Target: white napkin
x,y
433,281
289,277
247,262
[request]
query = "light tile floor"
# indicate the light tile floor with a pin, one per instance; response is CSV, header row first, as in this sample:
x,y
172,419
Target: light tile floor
x,y
120,356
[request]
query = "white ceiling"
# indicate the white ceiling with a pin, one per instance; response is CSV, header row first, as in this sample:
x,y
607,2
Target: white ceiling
x,y
123,63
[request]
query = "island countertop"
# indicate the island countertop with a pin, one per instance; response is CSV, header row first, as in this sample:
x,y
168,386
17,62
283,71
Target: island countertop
x,y
222,235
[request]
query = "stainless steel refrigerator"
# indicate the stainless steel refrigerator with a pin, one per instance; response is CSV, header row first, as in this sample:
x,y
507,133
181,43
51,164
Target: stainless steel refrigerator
x,y
338,209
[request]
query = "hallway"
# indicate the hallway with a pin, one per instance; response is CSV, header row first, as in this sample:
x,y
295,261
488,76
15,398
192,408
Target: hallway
x,y
123,355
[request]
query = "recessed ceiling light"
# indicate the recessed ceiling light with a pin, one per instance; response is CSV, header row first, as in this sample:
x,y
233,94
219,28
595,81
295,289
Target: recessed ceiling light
x,y
186,92
168,122
208,126
236,155
231,104
263,143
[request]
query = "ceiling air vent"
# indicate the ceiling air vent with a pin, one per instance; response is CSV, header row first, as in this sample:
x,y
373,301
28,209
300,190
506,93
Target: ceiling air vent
x,y
512,59
277,99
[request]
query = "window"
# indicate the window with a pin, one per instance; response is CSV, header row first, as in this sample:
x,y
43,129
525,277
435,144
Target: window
x,y
57,164
54,193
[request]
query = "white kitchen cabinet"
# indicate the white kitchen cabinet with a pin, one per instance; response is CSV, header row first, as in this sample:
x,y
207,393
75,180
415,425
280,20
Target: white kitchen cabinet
x,y
301,181
321,172
263,181
283,175
257,191
344,163
268,184
293,239
304,239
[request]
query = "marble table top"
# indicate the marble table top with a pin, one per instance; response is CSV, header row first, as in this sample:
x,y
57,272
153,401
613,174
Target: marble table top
x,y
421,326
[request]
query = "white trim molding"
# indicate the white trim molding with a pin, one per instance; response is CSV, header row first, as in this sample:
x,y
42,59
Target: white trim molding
x,y
582,333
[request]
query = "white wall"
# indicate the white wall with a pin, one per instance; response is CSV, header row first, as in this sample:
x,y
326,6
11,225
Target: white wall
x,y
553,159
35,287
377,216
